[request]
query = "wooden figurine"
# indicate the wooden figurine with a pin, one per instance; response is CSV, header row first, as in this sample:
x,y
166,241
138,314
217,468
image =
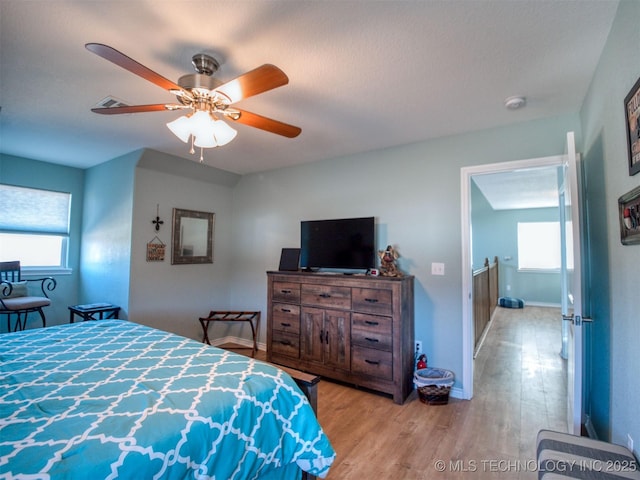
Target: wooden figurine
x,y
388,267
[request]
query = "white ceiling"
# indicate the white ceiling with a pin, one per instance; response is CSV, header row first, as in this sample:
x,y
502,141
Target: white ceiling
x,y
364,75
520,189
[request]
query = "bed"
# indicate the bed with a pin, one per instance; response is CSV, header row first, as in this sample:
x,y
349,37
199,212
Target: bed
x,y
120,400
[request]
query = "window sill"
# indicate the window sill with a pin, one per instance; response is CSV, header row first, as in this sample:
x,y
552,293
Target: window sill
x,y
541,270
45,271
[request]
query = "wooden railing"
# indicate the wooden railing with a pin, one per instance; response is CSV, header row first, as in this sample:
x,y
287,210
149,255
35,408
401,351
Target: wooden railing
x,y
485,296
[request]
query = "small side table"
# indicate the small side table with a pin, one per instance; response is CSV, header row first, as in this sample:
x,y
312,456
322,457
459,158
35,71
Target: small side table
x,y
232,316
88,311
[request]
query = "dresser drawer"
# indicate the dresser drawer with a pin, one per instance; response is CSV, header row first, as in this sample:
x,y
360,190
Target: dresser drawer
x,y
286,317
326,296
372,300
287,344
286,292
371,331
375,363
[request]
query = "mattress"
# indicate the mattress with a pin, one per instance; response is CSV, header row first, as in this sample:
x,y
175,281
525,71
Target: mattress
x,y
122,400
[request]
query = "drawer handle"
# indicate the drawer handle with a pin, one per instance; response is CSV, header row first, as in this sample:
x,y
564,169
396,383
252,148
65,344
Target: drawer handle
x,y
285,310
324,295
324,336
371,362
285,324
286,343
369,322
286,292
374,340
371,300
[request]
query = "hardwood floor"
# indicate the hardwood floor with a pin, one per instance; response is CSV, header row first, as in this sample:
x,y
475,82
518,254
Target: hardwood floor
x,y
519,389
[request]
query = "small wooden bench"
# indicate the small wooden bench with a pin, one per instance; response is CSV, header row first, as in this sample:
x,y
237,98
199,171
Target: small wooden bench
x,y
565,456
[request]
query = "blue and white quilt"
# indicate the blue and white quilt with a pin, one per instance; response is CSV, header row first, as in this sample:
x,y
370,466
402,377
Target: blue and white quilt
x,y
114,399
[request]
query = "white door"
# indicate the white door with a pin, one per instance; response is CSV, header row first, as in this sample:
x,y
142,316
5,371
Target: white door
x,y
572,285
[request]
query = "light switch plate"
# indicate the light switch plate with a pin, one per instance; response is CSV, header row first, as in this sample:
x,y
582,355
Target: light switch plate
x,y
437,269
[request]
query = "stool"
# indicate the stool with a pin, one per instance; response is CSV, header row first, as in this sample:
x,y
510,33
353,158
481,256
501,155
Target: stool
x,y
87,312
232,316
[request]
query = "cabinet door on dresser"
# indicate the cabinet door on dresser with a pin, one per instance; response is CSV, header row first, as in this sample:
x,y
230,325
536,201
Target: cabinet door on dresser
x,y
337,352
325,337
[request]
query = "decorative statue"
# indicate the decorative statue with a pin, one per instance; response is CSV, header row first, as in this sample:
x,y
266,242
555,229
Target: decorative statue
x,y
388,267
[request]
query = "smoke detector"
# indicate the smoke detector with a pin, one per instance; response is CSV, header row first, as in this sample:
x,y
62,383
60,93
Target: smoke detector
x,y
514,103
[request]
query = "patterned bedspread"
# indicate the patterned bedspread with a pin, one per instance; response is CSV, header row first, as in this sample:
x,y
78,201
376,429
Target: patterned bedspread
x,y
113,399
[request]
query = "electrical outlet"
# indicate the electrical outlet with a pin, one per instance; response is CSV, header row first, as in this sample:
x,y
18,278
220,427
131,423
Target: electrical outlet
x,y
418,346
630,442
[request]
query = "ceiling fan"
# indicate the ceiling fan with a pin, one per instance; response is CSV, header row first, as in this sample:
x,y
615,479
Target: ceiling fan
x,y
208,98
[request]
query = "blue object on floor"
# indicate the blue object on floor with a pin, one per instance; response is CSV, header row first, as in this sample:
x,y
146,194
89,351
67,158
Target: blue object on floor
x,y
509,302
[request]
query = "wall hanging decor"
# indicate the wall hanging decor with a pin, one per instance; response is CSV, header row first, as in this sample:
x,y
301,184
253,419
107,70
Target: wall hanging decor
x,y
155,250
192,237
157,222
629,211
632,113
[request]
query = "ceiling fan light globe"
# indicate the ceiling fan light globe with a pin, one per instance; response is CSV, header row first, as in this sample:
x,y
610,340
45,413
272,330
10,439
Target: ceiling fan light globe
x,y
181,128
223,132
203,126
205,141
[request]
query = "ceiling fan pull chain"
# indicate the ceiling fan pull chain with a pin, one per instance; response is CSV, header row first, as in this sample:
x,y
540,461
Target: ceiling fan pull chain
x,y
192,151
201,157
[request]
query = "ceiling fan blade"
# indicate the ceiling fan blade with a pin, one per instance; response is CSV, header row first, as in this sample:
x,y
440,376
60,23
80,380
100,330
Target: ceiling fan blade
x,y
256,81
120,59
136,109
264,123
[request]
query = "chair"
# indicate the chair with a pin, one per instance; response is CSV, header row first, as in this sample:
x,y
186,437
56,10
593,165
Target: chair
x,y
15,298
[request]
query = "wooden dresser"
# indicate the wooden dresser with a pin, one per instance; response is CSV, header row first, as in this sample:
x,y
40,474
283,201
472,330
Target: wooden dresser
x,y
352,328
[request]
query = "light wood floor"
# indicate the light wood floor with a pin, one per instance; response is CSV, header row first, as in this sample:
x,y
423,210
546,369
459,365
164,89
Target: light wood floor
x,y
519,389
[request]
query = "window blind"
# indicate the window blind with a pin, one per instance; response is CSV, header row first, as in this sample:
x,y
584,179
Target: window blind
x,y
29,210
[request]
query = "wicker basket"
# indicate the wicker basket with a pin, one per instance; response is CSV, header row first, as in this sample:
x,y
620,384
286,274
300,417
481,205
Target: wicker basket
x,y
434,395
434,385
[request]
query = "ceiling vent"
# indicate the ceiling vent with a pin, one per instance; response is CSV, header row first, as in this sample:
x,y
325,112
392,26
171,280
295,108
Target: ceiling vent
x,y
108,102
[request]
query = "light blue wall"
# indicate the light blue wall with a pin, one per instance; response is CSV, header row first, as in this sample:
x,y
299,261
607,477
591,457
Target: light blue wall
x,y
615,382
495,233
106,232
173,297
32,173
414,193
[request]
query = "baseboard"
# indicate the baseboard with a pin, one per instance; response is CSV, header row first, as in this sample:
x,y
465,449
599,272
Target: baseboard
x,y
541,304
243,342
477,348
456,392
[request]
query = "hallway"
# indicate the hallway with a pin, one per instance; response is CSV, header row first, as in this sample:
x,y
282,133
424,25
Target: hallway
x,y
521,356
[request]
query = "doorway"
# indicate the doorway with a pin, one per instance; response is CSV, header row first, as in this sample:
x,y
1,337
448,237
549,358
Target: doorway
x,y
467,174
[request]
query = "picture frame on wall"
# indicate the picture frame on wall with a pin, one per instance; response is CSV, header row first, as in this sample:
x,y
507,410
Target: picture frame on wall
x,y
629,211
632,115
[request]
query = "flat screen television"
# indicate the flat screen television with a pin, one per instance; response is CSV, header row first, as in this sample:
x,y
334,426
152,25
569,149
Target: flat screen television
x,y
347,243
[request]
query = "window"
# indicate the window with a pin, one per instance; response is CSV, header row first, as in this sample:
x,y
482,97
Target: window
x,y
539,246
34,226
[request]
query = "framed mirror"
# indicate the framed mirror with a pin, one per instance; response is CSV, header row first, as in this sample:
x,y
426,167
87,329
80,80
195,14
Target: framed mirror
x,y
192,237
